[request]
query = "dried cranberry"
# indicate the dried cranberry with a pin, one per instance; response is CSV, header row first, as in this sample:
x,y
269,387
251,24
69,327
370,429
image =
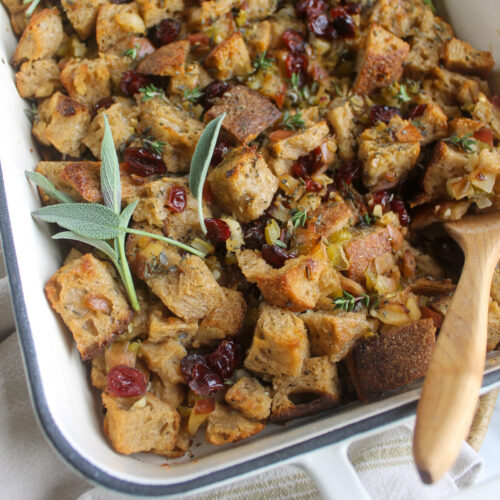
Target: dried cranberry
x,y
276,256
313,186
353,8
144,162
485,135
103,103
399,208
213,90
310,8
218,230
296,64
418,110
131,82
319,25
495,100
221,148
254,235
204,381
348,172
331,188
344,25
299,168
381,113
124,381
188,363
165,32
225,359
176,199
379,198
315,160
204,406
294,41
207,195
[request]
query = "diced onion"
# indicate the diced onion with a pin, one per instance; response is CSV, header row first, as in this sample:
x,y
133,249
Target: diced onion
x,y
337,257
235,241
272,232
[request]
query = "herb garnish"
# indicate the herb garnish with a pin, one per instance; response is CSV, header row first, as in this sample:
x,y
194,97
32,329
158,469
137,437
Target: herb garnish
x,y
132,53
201,161
402,95
33,6
31,112
465,143
192,95
348,302
154,144
102,226
431,5
263,62
150,92
293,122
299,218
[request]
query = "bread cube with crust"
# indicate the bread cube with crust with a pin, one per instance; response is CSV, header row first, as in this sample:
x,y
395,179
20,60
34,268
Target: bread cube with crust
x,y
164,358
155,11
117,21
194,76
331,216
37,79
210,10
173,394
252,264
315,389
224,321
248,113
432,124
82,14
229,426
18,18
168,60
122,118
131,429
395,357
259,9
381,61
334,333
91,303
462,57
230,58
489,114
163,327
41,38
243,184
62,123
342,120
250,397
396,16
279,344
258,38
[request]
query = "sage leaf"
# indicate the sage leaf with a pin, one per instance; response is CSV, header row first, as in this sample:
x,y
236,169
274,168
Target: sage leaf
x,y
42,182
110,171
91,220
99,244
127,213
201,161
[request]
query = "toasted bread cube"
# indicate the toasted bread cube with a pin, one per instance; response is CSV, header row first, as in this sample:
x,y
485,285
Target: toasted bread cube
x,y
169,60
62,123
252,264
173,126
258,38
118,64
224,321
41,38
229,426
154,427
38,78
342,120
493,325
155,11
485,111
393,358
230,58
82,14
209,10
396,16
315,389
98,375
173,394
432,124
92,305
462,126
381,61
122,118
18,18
445,211
164,359
242,184
334,333
331,216
162,327
279,344
462,57
117,21
250,397
248,113
194,76
367,245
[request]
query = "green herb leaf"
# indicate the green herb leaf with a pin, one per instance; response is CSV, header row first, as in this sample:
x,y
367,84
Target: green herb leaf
x,y
127,213
99,244
31,112
150,92
192,95
132,53
33,6
154,144
201,161
263,62
110,171
91,220
431,5
49,188
280,244
299,218
402,94
466,143
348,302
293,122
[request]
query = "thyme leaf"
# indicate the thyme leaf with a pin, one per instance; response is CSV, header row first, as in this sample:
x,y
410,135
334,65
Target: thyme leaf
x,y
293,122
151,91
192,95
263,62
348,302
299,218
465,143
154,144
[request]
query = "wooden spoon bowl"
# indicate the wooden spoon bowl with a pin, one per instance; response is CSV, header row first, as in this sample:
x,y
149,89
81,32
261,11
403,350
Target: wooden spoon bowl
x,y
453,380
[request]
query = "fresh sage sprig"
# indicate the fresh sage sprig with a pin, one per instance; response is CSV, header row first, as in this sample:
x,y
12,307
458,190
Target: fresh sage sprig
x,y
32,7
201,161
102,226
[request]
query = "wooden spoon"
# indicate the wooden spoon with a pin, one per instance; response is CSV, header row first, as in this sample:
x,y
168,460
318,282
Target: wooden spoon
x,y
451,387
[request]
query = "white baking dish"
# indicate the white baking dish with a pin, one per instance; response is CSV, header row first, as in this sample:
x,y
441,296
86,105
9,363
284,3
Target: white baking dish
x,y
67,407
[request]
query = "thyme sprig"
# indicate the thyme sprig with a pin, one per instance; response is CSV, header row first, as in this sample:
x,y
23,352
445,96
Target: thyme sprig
x,y
150,92
348,302
299,218
132,52
263,62
402,94
465,143
192,95
154,144
293,122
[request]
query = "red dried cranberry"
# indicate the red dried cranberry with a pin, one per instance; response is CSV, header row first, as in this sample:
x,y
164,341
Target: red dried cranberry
x,y
218,230
296,64
225,359
331,188
495,100
319,25
176,199
418,110
381,113
310,8
353,8
348,172
144,162
124,381
276,256
299,168
103,103
313,186
208,196
131,82
294,41
398,207
485,135
213,90
344,25
254,235
221,148
315,160
188,363
204,381
165,32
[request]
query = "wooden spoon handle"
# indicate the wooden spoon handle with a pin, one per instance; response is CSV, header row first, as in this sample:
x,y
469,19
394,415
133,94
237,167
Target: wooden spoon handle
x,y
451,387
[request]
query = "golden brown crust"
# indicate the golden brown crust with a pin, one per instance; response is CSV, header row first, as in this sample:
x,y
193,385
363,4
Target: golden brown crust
x,y
463,57
249,397
230,58
169,60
